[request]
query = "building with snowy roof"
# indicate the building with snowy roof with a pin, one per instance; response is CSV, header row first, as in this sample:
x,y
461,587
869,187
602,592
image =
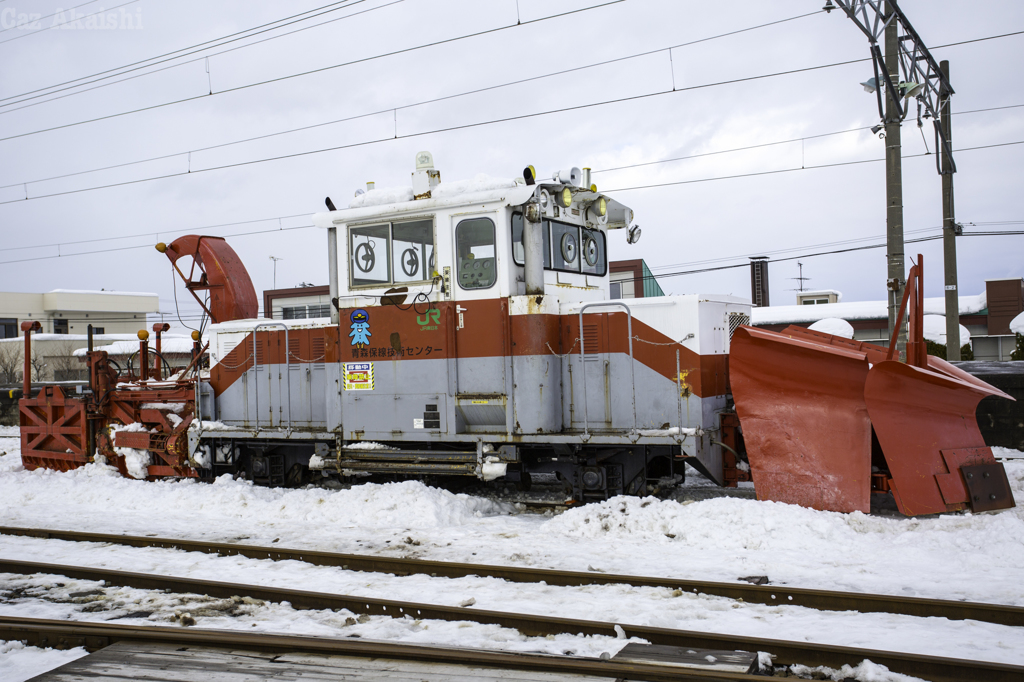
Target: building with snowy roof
x,y
986,316
65,316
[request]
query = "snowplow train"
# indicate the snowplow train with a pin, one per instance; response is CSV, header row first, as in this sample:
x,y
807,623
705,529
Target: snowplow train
x,y
473,334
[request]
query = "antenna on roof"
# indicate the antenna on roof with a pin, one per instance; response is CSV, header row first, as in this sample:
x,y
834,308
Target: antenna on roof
x,y
800,278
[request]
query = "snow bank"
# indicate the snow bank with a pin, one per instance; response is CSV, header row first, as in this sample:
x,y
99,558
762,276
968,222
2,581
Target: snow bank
x,y
1017,324
833,326
409,504
19,662
935,330
734,526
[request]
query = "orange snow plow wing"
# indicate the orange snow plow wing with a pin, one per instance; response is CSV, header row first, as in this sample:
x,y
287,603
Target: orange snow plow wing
x,y
827,421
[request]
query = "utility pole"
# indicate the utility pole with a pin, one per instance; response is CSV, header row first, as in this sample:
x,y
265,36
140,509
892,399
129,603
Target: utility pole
x,y
894,183
949,226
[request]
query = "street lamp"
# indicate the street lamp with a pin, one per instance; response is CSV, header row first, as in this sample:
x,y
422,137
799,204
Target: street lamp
x,y
275,259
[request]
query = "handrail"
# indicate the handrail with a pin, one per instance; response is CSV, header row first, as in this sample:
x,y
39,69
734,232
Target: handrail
x,y
583,360
255,364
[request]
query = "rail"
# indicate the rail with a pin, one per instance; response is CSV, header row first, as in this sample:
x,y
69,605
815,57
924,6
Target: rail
x,y
772,595
935,668
583,366
93,636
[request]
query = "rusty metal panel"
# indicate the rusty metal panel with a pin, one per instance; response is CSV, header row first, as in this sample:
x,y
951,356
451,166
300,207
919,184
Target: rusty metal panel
x,y
805,424
924,420
987,487
138,440
53,430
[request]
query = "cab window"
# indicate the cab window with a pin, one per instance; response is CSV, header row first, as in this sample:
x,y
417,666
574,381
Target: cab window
x,y
391,253
475,253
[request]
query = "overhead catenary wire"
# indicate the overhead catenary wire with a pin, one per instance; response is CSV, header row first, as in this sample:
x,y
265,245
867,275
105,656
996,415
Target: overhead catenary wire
x,y
403,106
316,70
692,42
279,218
397,136
125,70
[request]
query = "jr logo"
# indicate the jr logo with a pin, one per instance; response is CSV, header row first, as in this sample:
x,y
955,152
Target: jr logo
x,y
430,320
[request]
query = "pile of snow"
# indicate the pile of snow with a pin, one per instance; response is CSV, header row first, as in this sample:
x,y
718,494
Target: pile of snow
x,y
1017,325
935,330
445,190
136,461
19,662
384,195
481,183
833,326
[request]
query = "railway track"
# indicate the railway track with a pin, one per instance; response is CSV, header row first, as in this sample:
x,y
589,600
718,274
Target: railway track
x,y
938,669
772,595
95,636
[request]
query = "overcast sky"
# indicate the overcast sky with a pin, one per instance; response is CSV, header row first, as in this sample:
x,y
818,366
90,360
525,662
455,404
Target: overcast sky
x,y
685,226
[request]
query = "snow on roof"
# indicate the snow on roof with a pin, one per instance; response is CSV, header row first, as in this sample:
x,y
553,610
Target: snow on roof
x,y
445,190
858,310
935,330
266,325
1017,325
71,337
168,344
90,292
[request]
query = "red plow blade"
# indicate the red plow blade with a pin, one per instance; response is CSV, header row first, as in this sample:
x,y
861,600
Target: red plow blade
x,y
805,424
809,402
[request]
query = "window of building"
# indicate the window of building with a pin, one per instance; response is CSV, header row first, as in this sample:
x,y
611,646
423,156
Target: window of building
x,y
60,326
566,247
392,253
98,330
815,301
297,312
475,253
8,328
318,311
623,285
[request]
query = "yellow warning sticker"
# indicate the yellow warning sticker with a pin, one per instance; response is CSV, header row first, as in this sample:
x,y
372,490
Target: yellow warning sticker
x,y
481,402
358,376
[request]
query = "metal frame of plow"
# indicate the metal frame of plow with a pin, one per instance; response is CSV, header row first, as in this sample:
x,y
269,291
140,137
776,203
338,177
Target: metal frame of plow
x,y
809,402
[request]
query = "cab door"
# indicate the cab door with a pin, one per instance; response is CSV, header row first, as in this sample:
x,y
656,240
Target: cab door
x,y
480,322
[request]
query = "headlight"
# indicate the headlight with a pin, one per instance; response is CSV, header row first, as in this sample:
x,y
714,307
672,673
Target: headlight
x,y
566,197
602,206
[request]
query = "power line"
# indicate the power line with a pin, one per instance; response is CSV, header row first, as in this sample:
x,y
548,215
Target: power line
x,y
151,234
146,246
825,253
422,133
54,89
313,71
407,106
798,168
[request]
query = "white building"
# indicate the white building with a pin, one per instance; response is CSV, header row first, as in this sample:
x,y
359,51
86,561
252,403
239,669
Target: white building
x,y
65,317
63,311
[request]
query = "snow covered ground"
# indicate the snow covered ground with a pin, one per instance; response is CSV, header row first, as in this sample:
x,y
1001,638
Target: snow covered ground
x,y
979,557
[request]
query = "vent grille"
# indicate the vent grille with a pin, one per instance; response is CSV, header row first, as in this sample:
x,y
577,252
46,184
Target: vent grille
x,y
736,320
591,335
316,345
294,356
